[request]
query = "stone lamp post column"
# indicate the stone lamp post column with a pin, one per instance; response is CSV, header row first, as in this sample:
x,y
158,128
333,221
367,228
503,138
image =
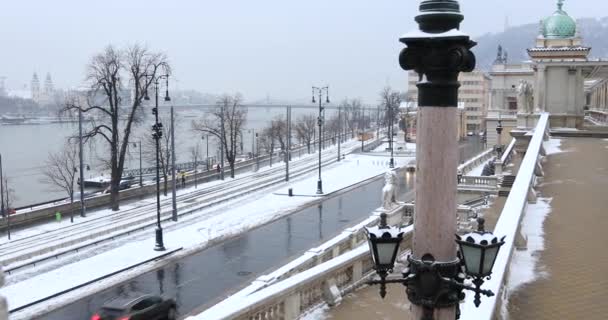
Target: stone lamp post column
x,y
438,52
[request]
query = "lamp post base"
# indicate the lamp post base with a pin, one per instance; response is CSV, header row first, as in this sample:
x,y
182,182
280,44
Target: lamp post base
x,y
159,240
319,187
391,163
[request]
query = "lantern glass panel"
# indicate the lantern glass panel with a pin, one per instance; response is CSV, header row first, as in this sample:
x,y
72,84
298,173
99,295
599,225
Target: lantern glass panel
x,y
386,251
472,257
489,258
372,251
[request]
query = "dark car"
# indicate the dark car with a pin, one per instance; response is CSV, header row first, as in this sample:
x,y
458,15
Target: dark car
x,y
143,307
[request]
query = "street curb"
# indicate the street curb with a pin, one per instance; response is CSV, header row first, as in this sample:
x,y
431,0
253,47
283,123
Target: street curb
x,y
94,280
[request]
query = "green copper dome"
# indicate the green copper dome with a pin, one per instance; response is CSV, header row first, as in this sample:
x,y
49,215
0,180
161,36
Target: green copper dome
x,y
560,25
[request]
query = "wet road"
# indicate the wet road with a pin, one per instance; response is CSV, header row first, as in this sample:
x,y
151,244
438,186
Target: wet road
x,y
213,273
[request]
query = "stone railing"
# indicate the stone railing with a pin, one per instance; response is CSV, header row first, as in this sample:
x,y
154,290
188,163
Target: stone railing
x,y
501,165
476,161
597,116
508,225
478,181
337,266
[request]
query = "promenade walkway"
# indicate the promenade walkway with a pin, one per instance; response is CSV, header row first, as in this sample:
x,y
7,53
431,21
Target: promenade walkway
x,y
571,270
575,257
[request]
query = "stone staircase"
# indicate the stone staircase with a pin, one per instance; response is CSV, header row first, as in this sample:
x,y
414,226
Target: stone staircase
x,y
505,185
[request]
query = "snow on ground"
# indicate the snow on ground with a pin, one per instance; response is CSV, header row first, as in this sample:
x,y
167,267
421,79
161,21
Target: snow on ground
x,y
229,219
316,314
524,266
127,205
476,172
553,146
67,277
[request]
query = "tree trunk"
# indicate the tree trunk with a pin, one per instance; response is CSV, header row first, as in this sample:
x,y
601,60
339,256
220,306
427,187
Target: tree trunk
x,y
232,169
165,184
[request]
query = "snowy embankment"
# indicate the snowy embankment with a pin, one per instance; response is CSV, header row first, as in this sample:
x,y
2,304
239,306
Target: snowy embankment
x,y
229,219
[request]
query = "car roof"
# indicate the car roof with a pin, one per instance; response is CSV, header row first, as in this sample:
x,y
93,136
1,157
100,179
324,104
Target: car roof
x,y
126,301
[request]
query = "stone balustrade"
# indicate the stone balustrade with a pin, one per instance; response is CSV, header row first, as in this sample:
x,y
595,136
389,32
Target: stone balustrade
x,y
490,181
337,266
475,161
508,225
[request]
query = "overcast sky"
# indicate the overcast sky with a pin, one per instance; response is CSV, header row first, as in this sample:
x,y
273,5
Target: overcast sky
x,y
264,47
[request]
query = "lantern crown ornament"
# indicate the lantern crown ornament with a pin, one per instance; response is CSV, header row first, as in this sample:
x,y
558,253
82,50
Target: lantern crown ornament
x,y
438,52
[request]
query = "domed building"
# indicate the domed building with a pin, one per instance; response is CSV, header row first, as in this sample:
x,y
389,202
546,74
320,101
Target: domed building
x,y
558,38
559,78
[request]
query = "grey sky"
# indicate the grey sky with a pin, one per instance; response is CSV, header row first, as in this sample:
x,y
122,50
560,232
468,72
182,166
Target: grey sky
x,y
274,47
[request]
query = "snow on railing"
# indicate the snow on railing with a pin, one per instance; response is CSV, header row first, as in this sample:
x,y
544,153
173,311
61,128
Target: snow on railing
x,y
475,161
506,156
300,284
507,225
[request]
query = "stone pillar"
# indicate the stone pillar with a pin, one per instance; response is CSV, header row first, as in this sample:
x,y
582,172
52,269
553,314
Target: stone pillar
x,y
439,60
540,87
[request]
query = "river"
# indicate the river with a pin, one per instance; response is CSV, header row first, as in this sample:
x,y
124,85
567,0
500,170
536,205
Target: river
x,y
25,148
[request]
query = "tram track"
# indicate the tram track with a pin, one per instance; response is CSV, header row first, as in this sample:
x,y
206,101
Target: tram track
x,y
30,251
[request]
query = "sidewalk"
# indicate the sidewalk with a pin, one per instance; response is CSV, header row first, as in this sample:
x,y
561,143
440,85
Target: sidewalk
x,y
570,274
217,223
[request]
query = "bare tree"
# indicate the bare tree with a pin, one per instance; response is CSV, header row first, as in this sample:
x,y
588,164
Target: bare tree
x,y
60,169
389,102
107,75
305,129
332,127
195,155
9,196
225,122
352,111
268,141
279,131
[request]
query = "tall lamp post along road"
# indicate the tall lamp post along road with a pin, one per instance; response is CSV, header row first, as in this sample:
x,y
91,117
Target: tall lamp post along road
x,y
320,92
436,275
157,133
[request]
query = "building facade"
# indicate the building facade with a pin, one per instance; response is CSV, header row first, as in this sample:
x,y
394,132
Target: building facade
x,y
473,95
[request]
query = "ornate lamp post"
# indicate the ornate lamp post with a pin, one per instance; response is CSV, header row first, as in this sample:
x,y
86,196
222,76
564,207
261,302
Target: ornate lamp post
x,y
320,91
157,133
431,284
438,52
499,142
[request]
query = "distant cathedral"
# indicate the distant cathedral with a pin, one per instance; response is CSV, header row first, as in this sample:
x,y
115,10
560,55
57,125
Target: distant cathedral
x,y
44,96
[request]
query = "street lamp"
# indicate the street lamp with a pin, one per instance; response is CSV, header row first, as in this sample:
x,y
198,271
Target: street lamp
x,y
429,283
206,138
141,180
157,133
320,91
391,163
499,142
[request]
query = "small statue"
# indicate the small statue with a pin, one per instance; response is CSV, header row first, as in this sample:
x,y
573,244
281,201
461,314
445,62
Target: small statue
x,y
389,192
525,97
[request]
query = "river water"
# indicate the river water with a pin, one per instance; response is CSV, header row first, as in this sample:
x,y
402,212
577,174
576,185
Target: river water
x,y
25,148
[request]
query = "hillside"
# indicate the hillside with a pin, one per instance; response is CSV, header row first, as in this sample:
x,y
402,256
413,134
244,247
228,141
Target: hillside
x,y
517,39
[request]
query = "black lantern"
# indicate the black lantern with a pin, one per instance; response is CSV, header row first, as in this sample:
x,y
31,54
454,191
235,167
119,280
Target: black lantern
x,y
384,243
479,250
